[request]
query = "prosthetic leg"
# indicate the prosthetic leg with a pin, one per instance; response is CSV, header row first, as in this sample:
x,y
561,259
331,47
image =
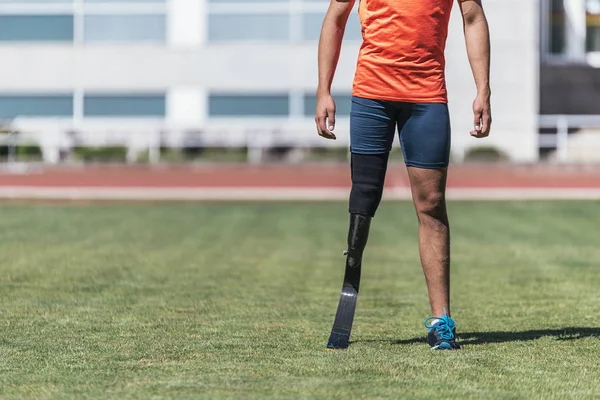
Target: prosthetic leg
x,y
357,240
368,175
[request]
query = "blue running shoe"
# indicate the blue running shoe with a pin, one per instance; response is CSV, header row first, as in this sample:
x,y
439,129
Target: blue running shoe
x,y
441,335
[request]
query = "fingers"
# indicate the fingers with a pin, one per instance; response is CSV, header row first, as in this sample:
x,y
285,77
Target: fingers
x,y
322,128
481,123
477,119
486,123
325,116
322,120
331,120
476,123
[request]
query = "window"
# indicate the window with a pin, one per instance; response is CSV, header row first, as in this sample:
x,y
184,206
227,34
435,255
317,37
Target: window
x,y
593,25
84,1
557,27
571,31
93,21
293,21
246,105
127,1
119,105
246,1
124,28
32,105
42,28
312,22
244,27
37,1
343,103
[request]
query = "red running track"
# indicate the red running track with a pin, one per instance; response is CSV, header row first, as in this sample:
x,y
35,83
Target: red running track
x,y
326,176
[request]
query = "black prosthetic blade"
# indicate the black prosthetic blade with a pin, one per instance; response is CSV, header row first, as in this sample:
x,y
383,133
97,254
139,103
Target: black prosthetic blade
x,y
342,325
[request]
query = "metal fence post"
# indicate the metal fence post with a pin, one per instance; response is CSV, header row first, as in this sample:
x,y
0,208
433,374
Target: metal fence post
x,y
11,147
562,138
154,148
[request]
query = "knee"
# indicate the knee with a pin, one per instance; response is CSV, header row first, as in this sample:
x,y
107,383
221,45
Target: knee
x,y
368,177
431,207
365,197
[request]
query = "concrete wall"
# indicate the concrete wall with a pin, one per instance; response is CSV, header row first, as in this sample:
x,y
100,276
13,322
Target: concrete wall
x,y
514,79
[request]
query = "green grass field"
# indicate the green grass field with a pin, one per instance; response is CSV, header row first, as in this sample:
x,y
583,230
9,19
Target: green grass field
x,y
208,301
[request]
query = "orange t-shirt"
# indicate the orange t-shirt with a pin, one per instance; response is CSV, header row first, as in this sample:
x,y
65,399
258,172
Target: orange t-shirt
x,y
402,55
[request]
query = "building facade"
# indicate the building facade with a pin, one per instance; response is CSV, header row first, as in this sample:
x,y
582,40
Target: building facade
x,y
234,63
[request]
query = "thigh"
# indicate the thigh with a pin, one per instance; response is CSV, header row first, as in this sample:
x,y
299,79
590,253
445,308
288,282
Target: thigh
x,y
372,126
425,137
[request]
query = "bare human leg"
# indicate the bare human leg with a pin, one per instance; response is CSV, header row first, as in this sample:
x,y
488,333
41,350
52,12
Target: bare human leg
x,y
429,197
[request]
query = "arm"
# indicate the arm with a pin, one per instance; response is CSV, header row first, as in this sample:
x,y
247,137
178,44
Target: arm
x,y
477,39
330,44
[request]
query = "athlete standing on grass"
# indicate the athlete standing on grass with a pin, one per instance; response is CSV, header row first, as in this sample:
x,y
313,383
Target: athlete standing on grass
x,y
400,83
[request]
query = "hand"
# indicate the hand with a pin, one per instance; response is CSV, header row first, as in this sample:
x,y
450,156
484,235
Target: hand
x,y
325,115
482,116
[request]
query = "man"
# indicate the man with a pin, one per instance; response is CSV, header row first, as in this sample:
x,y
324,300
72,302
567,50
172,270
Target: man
x,y
400,83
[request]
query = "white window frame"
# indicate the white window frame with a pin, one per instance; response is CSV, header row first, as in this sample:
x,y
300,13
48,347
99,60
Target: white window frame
x,y
575,36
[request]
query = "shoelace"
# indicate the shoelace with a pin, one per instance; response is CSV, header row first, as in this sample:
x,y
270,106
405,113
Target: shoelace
x,y
444,326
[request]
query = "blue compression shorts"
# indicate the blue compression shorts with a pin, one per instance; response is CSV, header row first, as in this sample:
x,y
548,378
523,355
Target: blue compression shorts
x,y
424,130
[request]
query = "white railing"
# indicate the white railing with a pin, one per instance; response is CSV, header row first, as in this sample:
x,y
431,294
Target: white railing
x,y
59,136
562,124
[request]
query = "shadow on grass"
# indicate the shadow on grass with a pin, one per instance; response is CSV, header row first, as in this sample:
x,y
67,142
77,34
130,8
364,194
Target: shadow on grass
x,y
469,338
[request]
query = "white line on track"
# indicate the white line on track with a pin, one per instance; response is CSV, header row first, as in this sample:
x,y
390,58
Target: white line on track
x,y
281,194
